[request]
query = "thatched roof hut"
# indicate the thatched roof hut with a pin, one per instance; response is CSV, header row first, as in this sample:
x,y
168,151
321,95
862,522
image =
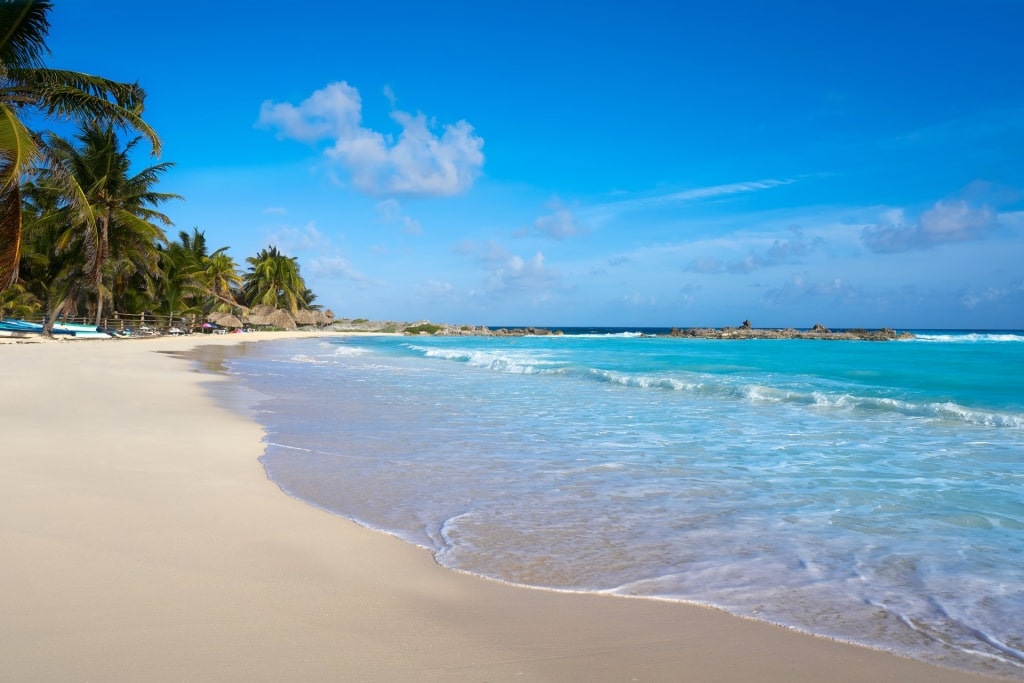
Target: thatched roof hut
x,y
228,320
282,319
262,310
305,317
214,316
322,318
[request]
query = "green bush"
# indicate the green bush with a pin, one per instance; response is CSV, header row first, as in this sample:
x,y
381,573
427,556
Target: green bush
x,y
425,327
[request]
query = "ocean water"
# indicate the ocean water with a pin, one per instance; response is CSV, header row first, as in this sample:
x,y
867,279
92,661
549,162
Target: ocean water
x,y
867,491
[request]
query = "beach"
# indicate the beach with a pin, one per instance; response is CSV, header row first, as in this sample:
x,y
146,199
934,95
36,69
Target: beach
x,y
143,541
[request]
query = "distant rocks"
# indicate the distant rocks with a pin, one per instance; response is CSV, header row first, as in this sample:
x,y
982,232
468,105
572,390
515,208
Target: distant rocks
x,y
744,331
819,331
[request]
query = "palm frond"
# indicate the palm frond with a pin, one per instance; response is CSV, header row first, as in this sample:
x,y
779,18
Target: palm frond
x,y
10,234
23,30
74,95
18,147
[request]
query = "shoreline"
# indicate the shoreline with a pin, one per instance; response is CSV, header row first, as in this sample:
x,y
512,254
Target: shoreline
x,y
147,543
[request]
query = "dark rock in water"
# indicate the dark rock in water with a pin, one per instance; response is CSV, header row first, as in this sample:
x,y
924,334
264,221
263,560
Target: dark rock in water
x,y
819,331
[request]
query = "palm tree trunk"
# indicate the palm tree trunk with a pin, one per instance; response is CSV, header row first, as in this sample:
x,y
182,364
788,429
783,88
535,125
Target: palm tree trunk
x,y
104,249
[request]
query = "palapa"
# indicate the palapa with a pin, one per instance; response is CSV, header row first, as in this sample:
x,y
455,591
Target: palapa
x,y
282,319
229,320
305,317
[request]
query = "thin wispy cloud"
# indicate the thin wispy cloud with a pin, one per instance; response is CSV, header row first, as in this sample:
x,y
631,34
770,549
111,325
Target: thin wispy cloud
x,y
420,162
697,194
390,211
291,239
338,267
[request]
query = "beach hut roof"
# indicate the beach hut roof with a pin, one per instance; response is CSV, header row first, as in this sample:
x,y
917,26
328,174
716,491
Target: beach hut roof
x,y
305,317
282,319
262,309
229,320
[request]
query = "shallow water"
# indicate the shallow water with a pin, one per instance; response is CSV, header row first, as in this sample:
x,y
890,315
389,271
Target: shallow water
x,y
872,492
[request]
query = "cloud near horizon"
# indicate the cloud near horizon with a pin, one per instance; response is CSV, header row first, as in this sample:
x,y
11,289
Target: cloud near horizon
x,y
420,162
779,252
944,223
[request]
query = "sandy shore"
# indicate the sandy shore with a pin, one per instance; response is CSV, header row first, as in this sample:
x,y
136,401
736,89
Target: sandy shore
x,y
141,541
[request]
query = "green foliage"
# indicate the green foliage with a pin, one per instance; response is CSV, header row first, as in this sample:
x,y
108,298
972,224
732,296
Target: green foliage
x,y
77,223
17,302
273,279
428,328
28,89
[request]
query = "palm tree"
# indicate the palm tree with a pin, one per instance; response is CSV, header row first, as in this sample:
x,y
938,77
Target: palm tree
x,y
274,279
27,87
180,286
222,279
110,221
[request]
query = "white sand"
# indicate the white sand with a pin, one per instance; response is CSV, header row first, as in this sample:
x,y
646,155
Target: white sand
x,y
141,541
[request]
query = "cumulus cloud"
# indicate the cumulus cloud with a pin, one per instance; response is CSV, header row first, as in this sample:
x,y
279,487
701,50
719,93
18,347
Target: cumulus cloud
x,y
779,252
944,223
518,274
508,272
419,162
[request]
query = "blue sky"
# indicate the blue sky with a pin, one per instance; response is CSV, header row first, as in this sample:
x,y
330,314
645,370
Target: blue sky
x,y
586,163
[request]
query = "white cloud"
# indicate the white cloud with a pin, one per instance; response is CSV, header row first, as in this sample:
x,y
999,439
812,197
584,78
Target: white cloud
x,y
338,267
944,223
508,272
298,239
559,225
990,295
608,209
432,289
391,211
800,286
420,162
779,252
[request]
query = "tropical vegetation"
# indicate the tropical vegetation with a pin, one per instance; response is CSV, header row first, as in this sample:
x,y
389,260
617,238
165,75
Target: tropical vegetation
x,y
81,227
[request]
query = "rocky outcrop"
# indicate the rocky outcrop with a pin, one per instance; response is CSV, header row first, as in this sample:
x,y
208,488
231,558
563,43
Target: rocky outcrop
x,y
744,331
819,331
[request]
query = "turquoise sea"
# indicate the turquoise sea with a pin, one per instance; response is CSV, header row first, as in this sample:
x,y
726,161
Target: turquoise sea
x,y
867,491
